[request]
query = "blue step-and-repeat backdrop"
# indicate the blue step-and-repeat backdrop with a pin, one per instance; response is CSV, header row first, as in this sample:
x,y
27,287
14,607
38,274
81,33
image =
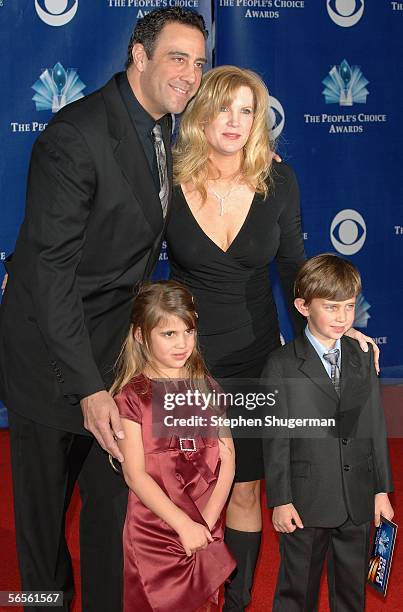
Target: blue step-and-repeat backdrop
x,y
334,72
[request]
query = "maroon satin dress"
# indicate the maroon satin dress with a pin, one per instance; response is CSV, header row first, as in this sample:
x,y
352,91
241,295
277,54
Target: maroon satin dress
x,y
158,576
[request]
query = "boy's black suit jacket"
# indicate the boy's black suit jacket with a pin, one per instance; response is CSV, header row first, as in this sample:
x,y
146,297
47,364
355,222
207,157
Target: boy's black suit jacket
x,y
336,474
92,229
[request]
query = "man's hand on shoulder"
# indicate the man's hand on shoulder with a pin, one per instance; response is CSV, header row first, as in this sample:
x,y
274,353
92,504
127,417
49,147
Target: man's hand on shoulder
x,y
101,418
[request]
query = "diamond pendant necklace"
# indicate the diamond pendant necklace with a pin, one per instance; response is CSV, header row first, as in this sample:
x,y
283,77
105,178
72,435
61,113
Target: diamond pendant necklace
x,y
222,198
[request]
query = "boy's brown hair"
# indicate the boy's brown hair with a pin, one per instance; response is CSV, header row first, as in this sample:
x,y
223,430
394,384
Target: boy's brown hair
x,y
328,277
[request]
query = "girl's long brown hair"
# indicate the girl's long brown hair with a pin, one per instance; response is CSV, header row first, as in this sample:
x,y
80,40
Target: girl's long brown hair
x,y
153,302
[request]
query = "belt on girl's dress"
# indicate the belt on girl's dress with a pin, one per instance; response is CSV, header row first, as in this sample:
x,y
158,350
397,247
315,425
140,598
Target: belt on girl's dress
x,y
187,445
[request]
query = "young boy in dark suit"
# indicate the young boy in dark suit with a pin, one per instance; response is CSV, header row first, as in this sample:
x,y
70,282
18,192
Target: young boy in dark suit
x,y
326,483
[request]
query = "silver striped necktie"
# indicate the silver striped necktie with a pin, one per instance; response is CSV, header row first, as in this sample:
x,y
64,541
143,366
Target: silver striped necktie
x,y
333,359
162,167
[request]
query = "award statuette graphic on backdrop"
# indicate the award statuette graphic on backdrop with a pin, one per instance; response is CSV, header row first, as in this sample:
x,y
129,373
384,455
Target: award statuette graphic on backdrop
x,y
56,12
345,85
345,13
57,87
361,312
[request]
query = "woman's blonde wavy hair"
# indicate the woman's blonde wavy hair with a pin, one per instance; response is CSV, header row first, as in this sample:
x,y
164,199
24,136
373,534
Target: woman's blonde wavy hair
x,y
190,154
155,301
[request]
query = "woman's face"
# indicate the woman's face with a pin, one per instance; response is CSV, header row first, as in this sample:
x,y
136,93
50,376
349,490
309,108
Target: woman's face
x,y
228,133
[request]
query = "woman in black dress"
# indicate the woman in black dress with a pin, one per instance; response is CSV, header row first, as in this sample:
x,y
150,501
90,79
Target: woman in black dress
x,y
233,212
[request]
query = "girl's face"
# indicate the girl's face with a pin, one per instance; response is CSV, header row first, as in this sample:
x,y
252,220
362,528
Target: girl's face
x,y
171,344
228,133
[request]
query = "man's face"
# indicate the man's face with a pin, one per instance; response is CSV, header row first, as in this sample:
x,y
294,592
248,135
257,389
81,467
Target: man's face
x,y
171,77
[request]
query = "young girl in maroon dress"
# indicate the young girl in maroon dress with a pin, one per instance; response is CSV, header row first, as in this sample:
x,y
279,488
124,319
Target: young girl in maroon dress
x,y
174,554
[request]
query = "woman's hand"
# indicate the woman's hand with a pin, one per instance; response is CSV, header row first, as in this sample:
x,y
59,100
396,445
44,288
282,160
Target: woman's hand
x,y
362,340
276,157
194,537
4,283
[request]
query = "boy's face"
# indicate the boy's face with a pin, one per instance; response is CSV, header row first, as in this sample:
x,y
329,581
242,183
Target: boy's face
x,y
328,320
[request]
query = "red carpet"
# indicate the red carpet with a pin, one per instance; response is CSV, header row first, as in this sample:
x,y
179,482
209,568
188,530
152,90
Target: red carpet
x,y
267,569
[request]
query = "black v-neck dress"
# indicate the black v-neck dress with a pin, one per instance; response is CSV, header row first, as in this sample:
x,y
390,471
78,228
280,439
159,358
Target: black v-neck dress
x,y
238,323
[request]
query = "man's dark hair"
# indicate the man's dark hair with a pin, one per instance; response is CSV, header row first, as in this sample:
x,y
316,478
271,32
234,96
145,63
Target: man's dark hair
x,y
150,26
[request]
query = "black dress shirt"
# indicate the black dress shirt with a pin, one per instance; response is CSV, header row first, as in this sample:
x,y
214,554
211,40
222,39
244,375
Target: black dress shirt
x,y
143,123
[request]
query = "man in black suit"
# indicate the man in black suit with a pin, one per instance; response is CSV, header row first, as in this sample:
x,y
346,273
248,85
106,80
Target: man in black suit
x,y
325,486
93,228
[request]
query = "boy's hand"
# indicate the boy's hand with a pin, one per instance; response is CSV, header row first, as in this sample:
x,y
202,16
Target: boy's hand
x,y
286,519
194,537
382,507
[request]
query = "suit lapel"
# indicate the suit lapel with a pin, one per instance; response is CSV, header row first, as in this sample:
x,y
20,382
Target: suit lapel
x,y
130,156
312,367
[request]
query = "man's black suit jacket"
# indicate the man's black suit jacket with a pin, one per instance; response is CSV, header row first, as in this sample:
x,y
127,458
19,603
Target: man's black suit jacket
x,y
92,229
335,474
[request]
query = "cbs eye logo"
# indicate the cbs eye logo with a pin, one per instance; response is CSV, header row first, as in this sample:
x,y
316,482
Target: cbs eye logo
x,y
276,118
345,13
348,232
56,12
